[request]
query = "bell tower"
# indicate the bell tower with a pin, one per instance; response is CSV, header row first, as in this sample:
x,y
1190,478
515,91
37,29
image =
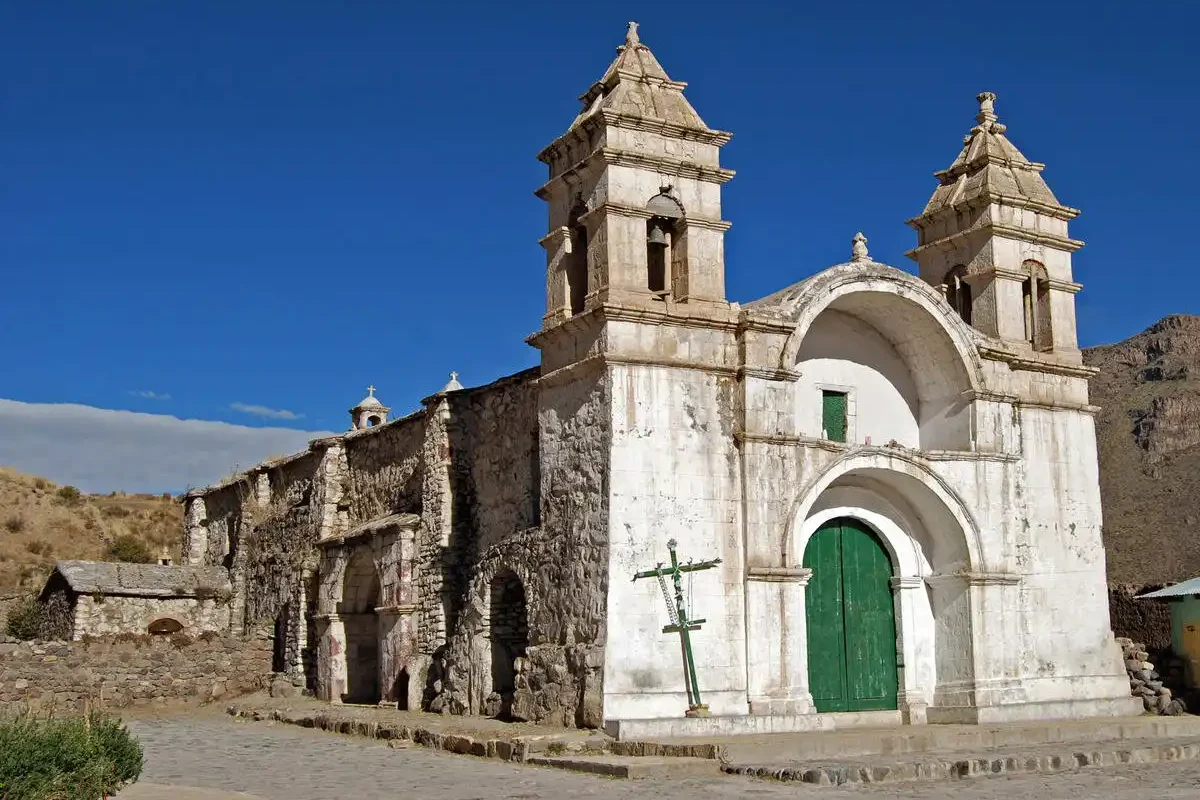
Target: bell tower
x,y
994,238
634,199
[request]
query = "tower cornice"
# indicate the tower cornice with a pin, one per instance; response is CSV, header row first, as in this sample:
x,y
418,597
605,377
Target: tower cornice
x,y
614,156
999,229
615,119
985,199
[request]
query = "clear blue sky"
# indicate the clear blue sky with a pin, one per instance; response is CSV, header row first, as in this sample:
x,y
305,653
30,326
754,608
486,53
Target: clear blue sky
x,y
277,203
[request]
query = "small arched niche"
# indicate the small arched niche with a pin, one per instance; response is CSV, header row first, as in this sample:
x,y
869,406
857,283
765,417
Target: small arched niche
x,y
164,626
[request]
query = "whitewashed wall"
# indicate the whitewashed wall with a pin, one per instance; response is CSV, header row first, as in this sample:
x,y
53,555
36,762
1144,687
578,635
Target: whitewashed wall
x,y
675,474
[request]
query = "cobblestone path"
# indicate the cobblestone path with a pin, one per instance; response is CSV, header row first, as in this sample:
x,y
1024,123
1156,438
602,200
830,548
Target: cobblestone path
x,y
278,762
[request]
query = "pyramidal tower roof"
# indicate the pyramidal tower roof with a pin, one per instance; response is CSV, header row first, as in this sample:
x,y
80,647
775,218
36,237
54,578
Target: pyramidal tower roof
x,y
990,169
635,87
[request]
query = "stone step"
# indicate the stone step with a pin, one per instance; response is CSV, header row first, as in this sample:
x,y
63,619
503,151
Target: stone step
x,y
914,739
634,767
952,766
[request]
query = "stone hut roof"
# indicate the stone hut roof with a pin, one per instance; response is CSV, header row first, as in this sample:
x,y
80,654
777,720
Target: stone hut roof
x,y
139,580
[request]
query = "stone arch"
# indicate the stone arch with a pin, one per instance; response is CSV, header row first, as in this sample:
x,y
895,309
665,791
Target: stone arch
x,y
932,540
507,626
360,596
936,346
906,483
664,243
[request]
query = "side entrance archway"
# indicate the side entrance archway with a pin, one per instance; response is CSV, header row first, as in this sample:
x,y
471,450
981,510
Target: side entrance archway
x,y
851,619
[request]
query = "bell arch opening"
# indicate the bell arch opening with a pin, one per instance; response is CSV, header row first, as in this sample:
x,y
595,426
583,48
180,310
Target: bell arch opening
x,y
906,380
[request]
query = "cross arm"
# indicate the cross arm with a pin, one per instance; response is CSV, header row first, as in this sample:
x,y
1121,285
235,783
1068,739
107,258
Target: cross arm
x,y
699,566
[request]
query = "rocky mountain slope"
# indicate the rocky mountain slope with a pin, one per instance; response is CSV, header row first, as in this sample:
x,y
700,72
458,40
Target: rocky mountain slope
x,y
1149,439
41,523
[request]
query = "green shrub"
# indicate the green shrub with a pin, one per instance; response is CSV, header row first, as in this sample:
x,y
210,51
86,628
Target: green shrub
x,y
81,758
25,621
69,495
130,549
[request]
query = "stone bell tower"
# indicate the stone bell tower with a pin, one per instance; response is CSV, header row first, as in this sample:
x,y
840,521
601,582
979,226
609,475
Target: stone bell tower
x,y
994,238
634,198
369,412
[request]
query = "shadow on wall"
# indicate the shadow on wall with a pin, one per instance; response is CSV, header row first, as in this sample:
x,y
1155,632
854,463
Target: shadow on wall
x,y
509,637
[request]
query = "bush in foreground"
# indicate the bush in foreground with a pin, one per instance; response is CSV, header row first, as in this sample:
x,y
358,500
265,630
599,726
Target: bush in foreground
x,y
25,621
77,758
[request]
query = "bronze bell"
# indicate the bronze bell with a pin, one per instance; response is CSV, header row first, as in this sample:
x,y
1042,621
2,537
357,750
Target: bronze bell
x,y
658,234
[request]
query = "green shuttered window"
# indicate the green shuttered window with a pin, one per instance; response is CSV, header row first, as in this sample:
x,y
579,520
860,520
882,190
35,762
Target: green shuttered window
x,y
833,415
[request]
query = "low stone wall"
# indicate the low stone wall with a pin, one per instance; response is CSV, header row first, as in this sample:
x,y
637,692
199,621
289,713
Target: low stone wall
x,y
1145,681
129,670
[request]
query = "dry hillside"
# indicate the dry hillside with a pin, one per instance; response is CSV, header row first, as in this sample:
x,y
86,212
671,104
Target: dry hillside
x,y
1149,438
41,523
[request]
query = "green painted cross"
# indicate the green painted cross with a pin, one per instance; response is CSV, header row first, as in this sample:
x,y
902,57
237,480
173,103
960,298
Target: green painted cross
x,y
679,620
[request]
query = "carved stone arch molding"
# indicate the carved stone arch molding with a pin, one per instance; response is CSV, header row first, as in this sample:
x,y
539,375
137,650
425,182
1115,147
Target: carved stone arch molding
x,y
827,288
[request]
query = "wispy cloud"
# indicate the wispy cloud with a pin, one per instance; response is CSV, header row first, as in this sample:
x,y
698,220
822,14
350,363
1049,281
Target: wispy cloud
x,y
149,395
99,450
264,412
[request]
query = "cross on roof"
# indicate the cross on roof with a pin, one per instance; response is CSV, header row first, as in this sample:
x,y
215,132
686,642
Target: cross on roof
x,y
370,391
453,376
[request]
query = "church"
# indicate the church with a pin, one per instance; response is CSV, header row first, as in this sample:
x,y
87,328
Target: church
x,y
886,484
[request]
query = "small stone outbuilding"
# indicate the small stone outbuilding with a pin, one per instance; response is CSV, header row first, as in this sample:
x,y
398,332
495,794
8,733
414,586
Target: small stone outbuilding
x,y
107,598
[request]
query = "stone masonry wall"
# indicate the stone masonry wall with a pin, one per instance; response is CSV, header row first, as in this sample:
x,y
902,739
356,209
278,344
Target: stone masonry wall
x,y
277,547
384,469
494,446
129,670
112,615
561,563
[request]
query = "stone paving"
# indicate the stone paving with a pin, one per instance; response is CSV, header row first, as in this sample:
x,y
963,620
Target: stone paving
x,y
280,762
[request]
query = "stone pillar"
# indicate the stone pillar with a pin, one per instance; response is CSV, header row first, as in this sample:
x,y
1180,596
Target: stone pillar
x,y
777,639
557,244
298,633
195,531
332,471
437,501
331,658
910,700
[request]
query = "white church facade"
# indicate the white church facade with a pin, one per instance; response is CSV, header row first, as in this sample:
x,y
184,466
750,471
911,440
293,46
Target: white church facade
x,y
897,472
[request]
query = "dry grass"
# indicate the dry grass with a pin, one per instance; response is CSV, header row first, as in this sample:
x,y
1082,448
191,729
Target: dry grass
x,y
41,523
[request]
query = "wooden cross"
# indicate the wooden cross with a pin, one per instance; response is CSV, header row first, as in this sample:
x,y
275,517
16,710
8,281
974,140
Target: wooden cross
x,y
679,620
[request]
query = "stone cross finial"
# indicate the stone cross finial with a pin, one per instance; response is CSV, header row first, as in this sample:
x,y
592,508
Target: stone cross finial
x,y
858,250
453,375
631,36
370,391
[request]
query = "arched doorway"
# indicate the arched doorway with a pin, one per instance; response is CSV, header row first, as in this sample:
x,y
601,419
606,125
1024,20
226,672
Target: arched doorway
x,y
360,597
850,618
509,634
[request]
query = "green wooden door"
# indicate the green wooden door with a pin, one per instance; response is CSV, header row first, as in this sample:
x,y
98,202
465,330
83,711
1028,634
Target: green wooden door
x,y
851,621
